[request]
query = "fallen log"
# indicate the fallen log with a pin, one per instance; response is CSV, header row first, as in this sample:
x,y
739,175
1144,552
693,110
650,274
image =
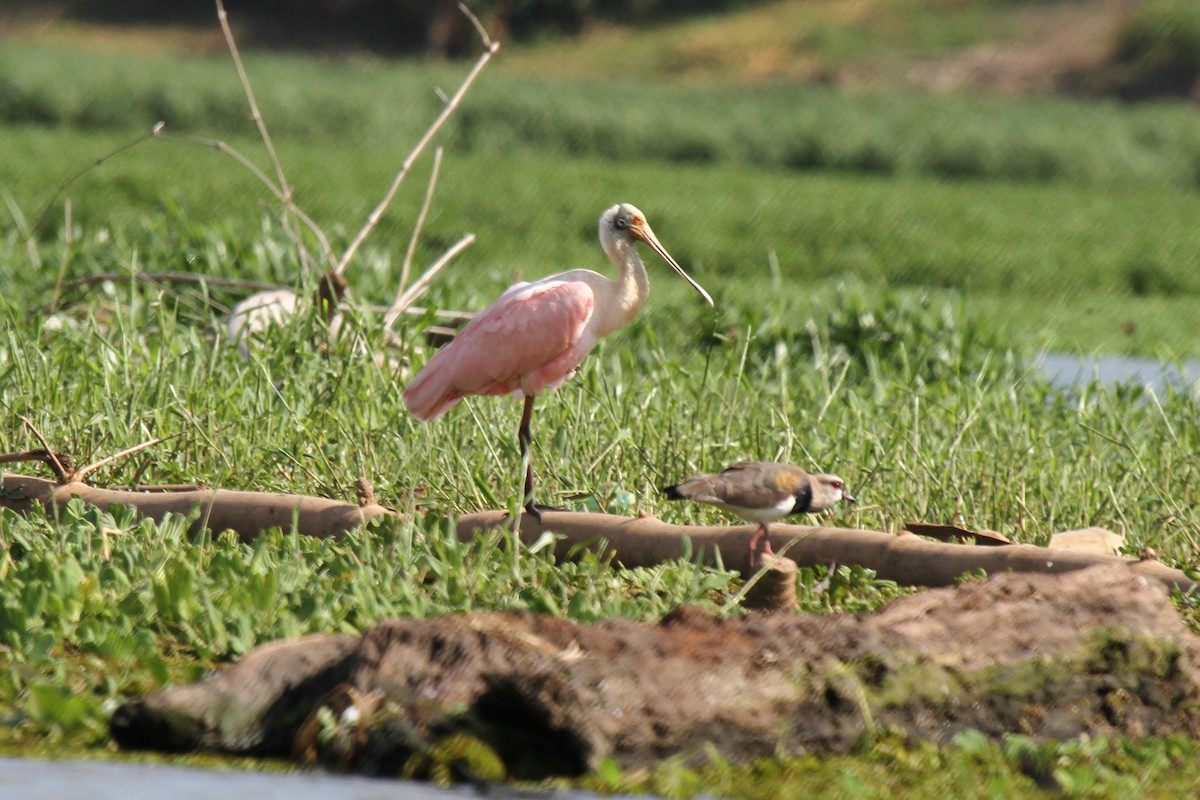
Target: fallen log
x,y
633,542
904,558
1098,652
246,513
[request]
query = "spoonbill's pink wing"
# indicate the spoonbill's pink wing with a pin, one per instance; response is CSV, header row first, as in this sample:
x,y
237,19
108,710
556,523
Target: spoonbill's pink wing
x,y
531,338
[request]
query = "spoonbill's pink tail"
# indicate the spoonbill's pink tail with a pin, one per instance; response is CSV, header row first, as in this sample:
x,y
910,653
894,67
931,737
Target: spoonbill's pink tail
x,y
431,393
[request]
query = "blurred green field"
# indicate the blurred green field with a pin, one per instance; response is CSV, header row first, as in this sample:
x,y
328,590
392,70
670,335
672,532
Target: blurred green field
x,y
1068,224
1080,215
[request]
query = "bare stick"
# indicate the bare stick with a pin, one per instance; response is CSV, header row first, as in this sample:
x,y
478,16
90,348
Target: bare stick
x,y
169,277
906,559
47,457
246,513
490,48
257,116
82,472
221,146
483,34
414,291
66,257
454,318
66,184
420,223
63,475
164,290
448,316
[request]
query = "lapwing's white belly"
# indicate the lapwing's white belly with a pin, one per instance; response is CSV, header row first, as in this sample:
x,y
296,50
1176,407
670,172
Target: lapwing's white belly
x,y
763,515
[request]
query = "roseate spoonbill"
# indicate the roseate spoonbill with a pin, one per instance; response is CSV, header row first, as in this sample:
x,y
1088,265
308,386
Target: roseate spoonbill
x,y
762,492
535,335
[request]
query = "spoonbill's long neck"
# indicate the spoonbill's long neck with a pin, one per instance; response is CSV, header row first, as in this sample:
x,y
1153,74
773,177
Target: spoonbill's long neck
x,y
632,285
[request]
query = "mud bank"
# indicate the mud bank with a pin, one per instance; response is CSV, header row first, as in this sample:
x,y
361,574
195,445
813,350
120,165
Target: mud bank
x,y
1098,651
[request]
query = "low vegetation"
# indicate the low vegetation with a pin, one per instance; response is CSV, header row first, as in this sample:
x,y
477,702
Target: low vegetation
x,y
885,267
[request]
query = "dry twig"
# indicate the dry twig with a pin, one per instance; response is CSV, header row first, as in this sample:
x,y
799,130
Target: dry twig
x,y
286,190
47,457
83,472
490,48
64,476
222,147
406,267
413,292
168,277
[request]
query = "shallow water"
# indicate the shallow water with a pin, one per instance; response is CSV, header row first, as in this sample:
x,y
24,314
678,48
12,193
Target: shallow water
x,y
32,779
1067,371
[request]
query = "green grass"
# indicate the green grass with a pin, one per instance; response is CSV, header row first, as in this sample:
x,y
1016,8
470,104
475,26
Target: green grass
x,y
794,128
98,605
908,400
1088,269
876,305
970,766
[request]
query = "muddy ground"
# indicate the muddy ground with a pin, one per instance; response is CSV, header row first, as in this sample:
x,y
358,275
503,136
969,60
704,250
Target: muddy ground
x,y
1098,651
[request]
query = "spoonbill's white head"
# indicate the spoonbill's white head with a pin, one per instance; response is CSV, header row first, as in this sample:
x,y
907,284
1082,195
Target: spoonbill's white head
x,y
625,223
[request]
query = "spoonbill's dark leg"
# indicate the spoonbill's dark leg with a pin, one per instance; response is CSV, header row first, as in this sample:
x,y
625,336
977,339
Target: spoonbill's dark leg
x,y
525,439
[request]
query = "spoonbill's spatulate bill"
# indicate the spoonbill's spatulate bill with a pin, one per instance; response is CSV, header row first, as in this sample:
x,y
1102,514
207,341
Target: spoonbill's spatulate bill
x,y
762,492
535,335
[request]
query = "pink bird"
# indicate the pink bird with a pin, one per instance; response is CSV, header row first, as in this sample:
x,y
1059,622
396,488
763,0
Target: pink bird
x,y
535,335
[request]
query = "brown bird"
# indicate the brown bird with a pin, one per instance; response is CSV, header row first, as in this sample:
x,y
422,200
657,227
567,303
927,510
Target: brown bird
x,y
762,492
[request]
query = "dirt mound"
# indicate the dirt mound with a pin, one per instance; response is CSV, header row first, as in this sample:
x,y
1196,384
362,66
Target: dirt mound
x,y
1097,651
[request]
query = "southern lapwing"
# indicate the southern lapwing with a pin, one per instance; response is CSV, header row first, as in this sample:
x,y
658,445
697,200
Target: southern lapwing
x,y
762,492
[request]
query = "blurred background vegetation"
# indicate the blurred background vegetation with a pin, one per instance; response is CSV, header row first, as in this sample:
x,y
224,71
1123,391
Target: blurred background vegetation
x,y
1148,47
1032,154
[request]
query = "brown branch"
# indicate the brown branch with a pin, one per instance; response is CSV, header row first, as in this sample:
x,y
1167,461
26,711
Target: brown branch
x,y
904,558
56,460
52,461
246,513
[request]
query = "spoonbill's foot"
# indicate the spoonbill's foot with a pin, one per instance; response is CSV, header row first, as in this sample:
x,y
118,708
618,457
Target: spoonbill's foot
x,y
536,509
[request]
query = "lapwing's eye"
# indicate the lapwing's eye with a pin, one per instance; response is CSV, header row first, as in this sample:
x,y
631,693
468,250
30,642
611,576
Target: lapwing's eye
x,y
837,484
